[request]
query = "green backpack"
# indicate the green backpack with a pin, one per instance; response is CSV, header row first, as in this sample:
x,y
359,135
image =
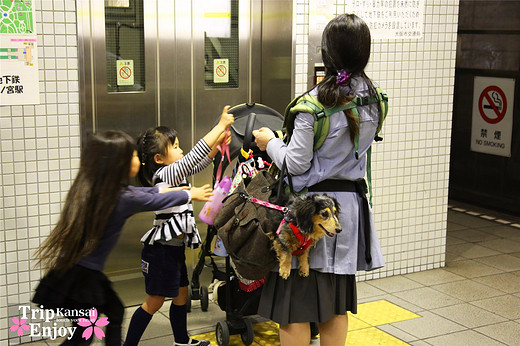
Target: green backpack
x,y
309,104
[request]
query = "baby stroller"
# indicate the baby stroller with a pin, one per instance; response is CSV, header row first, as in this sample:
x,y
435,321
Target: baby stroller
x,y
236,302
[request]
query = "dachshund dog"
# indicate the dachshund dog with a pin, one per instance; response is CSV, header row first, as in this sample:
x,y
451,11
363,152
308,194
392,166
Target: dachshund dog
x,y
307,220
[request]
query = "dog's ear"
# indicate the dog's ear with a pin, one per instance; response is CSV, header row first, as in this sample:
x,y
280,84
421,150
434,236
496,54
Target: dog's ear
x,y
304,210
336,205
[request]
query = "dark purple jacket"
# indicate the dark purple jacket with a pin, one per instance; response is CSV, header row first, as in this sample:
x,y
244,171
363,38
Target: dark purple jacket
x,y
132,200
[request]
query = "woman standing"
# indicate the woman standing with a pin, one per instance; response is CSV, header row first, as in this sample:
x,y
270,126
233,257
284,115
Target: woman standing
x,y
337,168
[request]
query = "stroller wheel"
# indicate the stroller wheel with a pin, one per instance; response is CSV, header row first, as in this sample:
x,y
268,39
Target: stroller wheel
x,y
248,335
222,333
188,301
204,298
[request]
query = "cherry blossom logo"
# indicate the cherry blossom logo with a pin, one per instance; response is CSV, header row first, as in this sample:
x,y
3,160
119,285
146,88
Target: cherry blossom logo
x,y
19,325
92,325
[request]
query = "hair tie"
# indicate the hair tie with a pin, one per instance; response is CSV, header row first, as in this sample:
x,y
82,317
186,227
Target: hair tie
x,y
343,78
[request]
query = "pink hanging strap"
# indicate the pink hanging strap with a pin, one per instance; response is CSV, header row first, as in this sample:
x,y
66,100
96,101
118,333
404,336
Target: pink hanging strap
x,y
224,152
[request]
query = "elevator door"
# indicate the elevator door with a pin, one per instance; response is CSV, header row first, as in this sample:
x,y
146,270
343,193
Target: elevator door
x,y
173,63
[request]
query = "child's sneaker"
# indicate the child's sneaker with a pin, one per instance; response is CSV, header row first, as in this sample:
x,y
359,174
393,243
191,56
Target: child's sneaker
x,y
193,342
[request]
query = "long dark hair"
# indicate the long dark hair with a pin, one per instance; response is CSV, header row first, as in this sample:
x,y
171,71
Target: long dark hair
x,y
345,46
150,143
104,167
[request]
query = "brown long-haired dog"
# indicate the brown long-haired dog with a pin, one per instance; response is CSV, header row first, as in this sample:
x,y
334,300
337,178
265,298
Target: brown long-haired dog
x,y
312,216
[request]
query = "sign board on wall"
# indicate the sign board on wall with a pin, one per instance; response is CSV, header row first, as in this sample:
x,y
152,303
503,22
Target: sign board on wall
x,y
391,19
19,79
492,120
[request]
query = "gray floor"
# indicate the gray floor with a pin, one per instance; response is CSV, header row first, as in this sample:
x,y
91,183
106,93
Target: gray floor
x,y
474,300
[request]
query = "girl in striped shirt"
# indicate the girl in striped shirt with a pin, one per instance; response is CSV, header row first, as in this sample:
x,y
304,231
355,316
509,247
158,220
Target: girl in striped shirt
x,y
163,256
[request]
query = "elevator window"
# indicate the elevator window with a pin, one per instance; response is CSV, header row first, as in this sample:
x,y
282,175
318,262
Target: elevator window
x,y
124,37
221,44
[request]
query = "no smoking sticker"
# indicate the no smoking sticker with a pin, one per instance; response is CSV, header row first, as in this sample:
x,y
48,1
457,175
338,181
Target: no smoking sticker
x,y
125,72
220,70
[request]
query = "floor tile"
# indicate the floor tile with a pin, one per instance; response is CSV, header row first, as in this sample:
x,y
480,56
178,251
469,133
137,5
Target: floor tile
x,y
502,231
506,332
366,290
469,315
452,226
463,338
398,333
507,306
507,282
503,245
467,290
434,277
395,284
427,298
471,269
472,235
453,240
429,325
470,250
502,262
467,220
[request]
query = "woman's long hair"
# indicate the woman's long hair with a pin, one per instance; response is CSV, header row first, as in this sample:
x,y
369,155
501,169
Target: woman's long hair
x,y
150,143
345,46
104,167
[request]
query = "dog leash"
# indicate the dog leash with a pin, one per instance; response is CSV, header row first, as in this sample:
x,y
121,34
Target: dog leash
x,y
305,242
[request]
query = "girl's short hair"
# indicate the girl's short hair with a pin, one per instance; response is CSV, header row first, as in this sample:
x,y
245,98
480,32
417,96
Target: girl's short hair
x,y
151,142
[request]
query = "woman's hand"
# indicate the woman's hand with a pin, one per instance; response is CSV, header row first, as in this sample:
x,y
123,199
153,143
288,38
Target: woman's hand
x,y
262,137
202,193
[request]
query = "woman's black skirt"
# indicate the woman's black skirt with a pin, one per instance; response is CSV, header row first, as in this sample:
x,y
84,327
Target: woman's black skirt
x,y
316,298
76,288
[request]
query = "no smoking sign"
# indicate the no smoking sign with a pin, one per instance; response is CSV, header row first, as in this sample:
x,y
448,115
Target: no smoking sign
x,y
220,70
125,74
492,120
492,104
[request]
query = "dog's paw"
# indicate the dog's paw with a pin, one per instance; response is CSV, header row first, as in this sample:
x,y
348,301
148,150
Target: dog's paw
x,y
285,273
304,272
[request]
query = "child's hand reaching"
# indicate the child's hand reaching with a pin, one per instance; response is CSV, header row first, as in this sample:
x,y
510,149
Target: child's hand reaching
x,y
226,119
202,193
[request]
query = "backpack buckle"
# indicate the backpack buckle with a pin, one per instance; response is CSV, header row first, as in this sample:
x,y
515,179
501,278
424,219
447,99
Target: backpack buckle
x,y
362,100
320,114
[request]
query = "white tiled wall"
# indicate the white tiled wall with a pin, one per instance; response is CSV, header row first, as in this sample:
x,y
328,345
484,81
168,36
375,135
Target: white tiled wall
x,y
40,146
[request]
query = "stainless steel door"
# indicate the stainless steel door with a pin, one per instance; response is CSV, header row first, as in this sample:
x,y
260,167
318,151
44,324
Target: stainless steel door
x,y
176,63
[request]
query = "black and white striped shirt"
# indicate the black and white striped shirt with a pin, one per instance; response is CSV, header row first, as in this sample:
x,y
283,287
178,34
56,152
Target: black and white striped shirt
x,y
179,220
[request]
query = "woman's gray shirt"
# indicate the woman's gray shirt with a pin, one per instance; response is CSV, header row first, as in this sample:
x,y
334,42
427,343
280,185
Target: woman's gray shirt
x,y
344,253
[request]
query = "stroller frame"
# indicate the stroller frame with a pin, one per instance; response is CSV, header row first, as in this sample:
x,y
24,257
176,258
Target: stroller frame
x,y
235,322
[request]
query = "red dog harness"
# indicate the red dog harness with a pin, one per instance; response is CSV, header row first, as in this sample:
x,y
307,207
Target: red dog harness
x,y
305,242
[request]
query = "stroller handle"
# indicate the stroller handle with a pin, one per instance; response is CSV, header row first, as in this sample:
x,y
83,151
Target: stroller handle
x,y
248,133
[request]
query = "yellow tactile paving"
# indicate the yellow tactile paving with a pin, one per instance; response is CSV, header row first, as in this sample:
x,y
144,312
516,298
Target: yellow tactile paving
x,y
372,337
383,312
355,323
362,327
